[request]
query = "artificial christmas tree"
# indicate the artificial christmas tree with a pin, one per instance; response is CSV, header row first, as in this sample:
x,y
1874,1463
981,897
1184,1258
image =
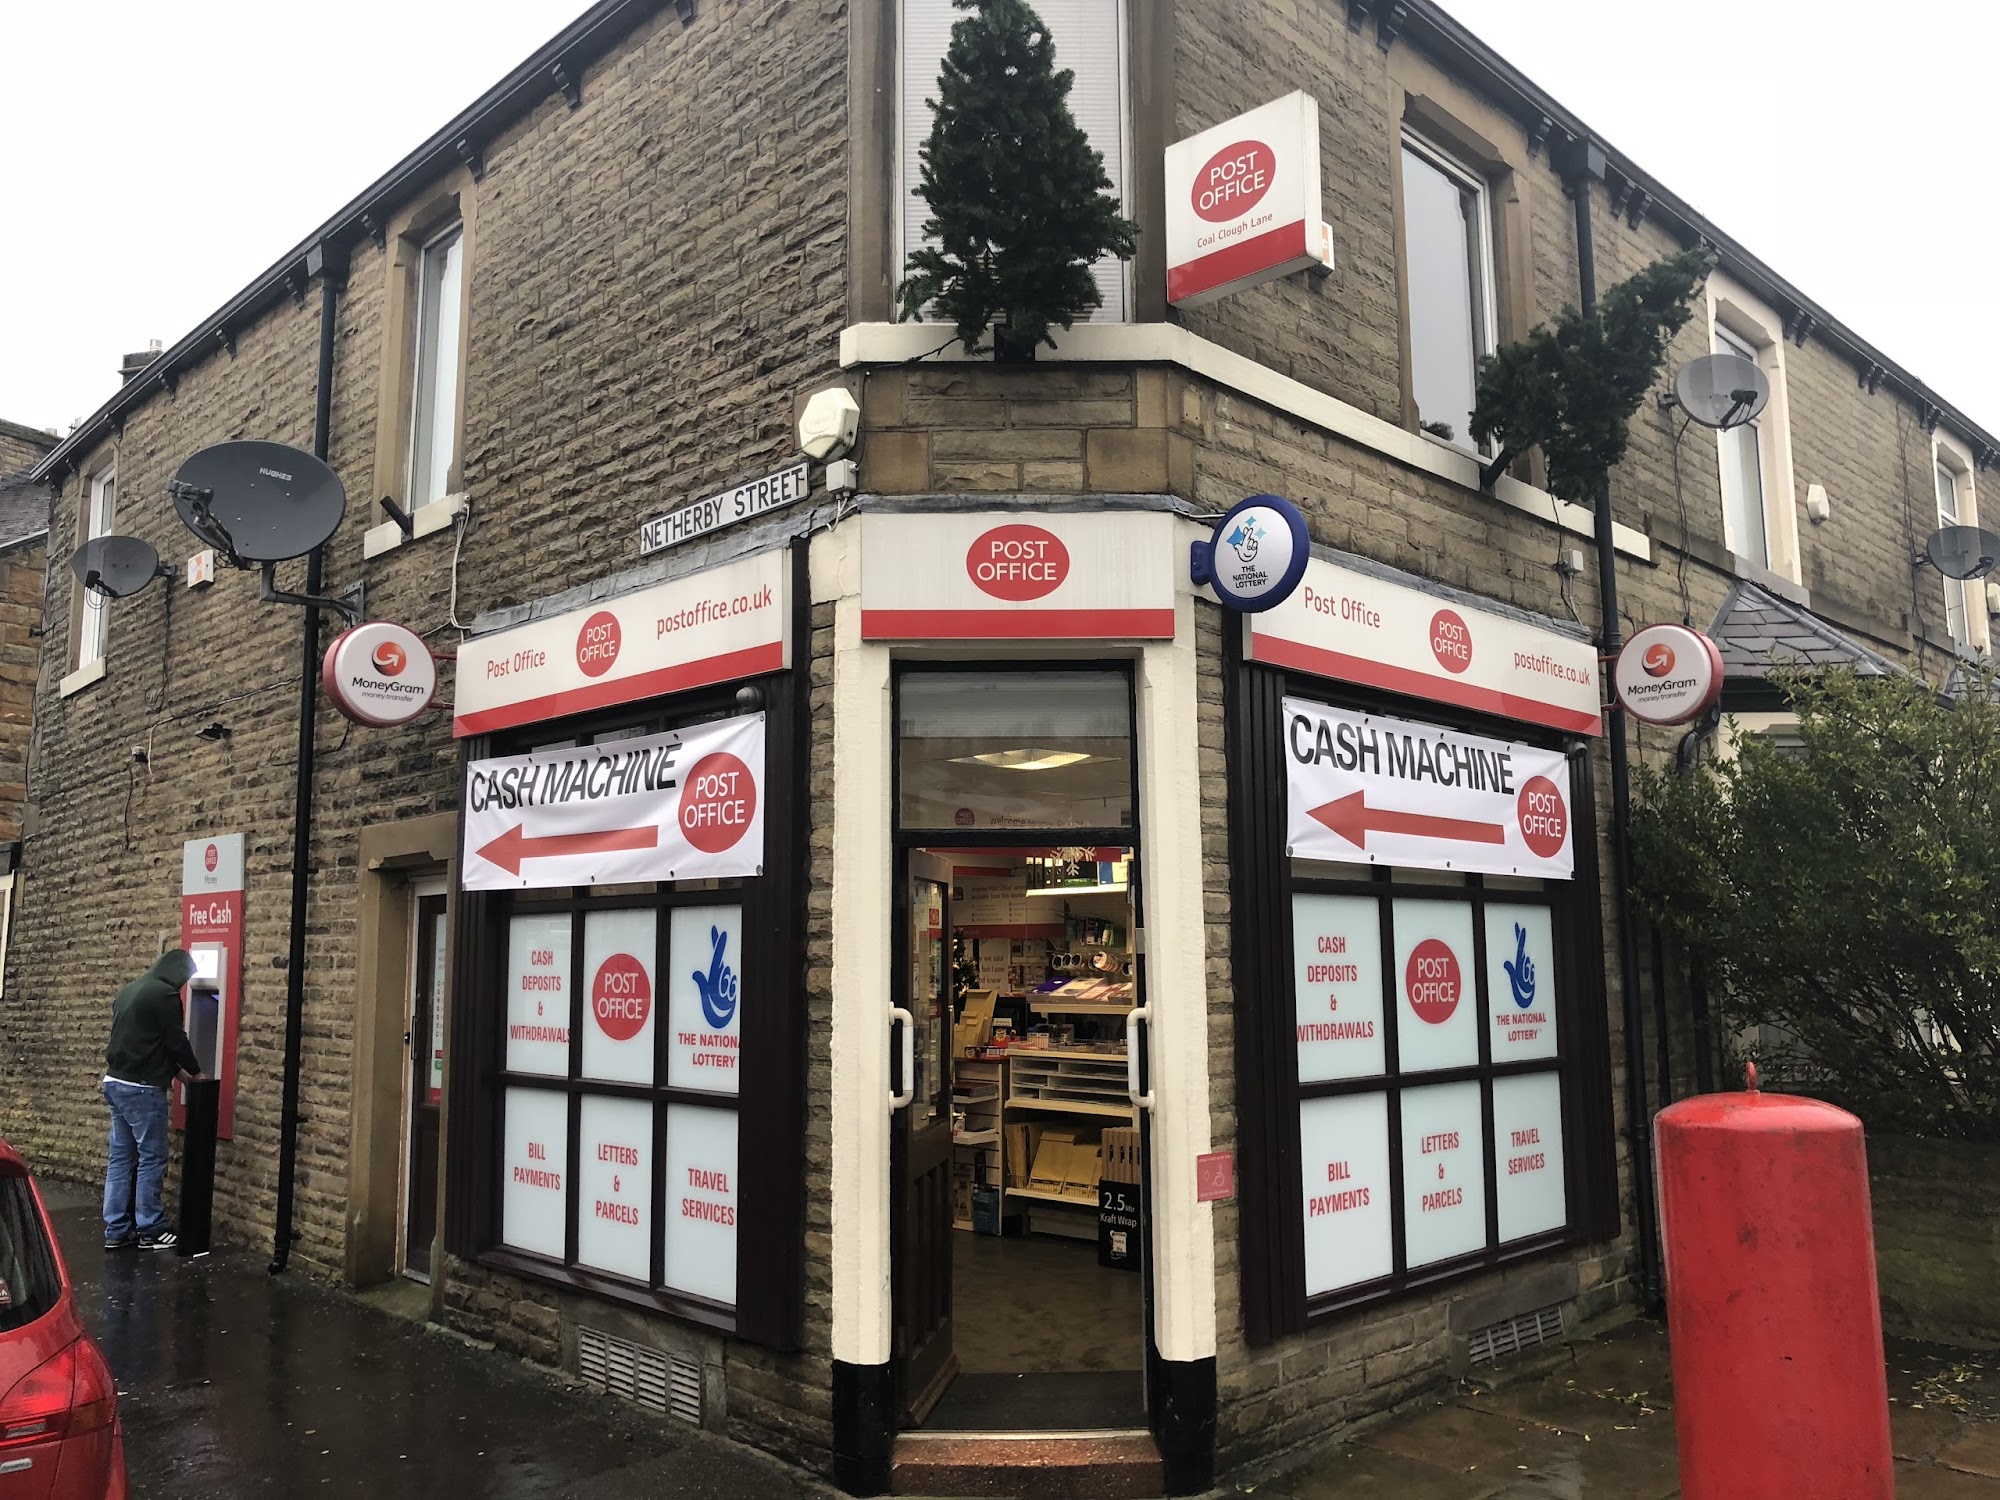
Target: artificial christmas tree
x,y
1019,202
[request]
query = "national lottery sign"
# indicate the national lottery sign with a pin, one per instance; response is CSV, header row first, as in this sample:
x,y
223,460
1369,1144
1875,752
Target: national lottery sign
x,y
1366,789
687,805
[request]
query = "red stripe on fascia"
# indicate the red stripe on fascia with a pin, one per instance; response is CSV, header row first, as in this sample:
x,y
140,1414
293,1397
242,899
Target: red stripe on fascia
x,y
1246,258
1279,652
752,661
1016,624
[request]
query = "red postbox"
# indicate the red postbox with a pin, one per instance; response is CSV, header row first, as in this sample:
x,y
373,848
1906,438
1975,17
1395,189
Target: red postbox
x,y
1779,1387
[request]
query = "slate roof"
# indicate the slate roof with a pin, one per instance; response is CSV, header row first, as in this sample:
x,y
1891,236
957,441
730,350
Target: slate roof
x,y
1757,631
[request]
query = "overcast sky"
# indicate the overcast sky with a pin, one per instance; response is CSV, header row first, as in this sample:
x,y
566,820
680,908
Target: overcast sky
x,y
160,156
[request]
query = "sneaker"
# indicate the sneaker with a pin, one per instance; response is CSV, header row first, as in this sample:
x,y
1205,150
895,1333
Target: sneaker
x,y
166,1239
123,1242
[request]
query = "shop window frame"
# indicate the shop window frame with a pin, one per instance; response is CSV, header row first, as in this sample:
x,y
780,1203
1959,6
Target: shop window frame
x,y
1263,882
771,1090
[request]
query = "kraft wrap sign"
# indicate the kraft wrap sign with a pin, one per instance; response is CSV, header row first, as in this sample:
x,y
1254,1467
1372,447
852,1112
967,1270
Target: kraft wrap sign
x,y
686,805
1367,789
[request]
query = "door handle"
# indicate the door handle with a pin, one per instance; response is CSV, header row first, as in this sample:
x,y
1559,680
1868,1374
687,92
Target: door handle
x,y
1139,1015
900,1017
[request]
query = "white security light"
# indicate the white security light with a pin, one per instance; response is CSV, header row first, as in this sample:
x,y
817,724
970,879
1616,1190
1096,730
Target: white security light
x,y
829,424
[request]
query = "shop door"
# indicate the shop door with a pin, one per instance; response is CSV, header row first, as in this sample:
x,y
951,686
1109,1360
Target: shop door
x,y
426,1049
925,1359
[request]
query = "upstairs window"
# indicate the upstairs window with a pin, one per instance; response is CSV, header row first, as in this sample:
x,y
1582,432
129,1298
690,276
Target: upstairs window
x,y
100,504
1090,42
434,386
1958,505
1448,260
1742,458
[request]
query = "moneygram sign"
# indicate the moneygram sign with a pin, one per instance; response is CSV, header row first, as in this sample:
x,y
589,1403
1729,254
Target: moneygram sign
x,y
1243,202
380,674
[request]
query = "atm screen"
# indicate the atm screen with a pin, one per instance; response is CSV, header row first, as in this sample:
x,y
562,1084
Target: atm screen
x,y
207,963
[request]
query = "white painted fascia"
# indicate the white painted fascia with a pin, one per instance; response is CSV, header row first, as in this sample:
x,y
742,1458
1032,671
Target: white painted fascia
x,y
1166,343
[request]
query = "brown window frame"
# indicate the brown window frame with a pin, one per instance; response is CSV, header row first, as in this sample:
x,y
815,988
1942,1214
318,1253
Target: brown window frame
x,y
1263,882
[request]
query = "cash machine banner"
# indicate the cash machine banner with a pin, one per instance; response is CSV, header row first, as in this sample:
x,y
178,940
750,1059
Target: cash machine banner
x,y
686,805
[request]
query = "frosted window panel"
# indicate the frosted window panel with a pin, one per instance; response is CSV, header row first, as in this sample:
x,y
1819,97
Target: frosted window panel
x,y
1521,982
1444,234
1528,1155
1437,1011
534,1192
1444,1173
538,979
1337,984
614,1221
620,1003
1344,1165
705,998
701,1201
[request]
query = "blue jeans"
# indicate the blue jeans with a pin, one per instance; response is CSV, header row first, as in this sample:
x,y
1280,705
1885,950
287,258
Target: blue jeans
x,y
138,1138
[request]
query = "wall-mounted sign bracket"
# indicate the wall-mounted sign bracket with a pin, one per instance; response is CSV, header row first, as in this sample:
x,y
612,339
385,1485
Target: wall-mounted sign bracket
x,y
348,603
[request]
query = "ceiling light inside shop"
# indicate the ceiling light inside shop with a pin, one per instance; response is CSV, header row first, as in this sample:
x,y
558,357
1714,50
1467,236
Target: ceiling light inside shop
x,y
1026,759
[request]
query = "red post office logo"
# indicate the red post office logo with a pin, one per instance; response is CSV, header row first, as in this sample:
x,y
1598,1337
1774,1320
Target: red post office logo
x,y
718,802
597,644
1451,641
1433,981
210,858
1018,563
1544,816
1233,181
389,659
621,997
1658,660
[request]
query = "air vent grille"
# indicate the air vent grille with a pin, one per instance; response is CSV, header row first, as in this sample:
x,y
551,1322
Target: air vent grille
x,y
663,1383
1512,1335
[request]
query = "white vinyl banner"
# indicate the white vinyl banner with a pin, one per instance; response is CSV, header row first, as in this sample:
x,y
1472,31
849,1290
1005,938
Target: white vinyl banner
x,y
685,805
1368,789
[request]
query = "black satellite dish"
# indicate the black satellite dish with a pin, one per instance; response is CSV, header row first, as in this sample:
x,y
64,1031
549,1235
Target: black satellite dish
x,y
1962,551
1722,390
258,502
115,566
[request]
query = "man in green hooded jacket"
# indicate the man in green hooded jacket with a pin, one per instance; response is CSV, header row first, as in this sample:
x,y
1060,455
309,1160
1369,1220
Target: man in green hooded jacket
x,y
148,1049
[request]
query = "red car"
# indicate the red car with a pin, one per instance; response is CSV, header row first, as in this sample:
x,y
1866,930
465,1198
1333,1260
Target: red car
x,y
59,1433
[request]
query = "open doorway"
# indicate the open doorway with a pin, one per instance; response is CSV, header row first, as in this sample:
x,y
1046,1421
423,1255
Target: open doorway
x,y
1021,1299
423,1077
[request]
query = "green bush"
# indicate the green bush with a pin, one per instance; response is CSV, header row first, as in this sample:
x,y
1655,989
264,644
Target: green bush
x,y
1845,896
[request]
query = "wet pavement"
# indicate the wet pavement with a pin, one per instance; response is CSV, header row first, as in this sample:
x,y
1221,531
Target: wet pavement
x,y
235,1383
1596,1422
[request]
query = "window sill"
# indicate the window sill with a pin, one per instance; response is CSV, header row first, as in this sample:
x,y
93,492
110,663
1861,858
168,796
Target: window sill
x,y
1785,588
695,1310
1167,343
80,679
425,521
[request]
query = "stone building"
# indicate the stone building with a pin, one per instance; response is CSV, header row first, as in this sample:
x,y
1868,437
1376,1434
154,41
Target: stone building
x,y
1010,769
24,532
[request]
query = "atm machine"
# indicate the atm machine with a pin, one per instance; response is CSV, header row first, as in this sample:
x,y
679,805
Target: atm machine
x,y
206,1004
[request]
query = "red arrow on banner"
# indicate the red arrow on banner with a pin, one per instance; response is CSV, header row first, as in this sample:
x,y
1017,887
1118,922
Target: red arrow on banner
x,y
1353,819
513,846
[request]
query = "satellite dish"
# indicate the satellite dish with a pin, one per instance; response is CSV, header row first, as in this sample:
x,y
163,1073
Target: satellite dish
x,y
115,566
1963,551
258,502
1722,390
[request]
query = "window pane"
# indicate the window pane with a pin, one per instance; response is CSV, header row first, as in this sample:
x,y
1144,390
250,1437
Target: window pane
x,y
1528,1155
1015,750
532,1197
1337,954
614,1220
1955,612
435,404
618,950
701,1201
704,997
1444,1173
1743,493
1947,496
1444,231
538,995
1437,1023
1521,982
1344,1164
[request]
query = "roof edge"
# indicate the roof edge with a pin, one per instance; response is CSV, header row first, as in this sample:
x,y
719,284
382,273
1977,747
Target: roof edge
x,y
583,41
21,432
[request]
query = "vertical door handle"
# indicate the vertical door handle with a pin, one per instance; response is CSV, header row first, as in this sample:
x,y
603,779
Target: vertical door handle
x,y
900,1017
1139,1015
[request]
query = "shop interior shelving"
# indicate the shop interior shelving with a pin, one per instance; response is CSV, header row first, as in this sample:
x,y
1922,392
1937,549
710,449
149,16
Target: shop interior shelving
x,y
1071,1090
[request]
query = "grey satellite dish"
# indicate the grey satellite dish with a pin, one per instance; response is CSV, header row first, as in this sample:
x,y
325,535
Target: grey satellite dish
x,y
1722,390
1963,551
115,566
258,502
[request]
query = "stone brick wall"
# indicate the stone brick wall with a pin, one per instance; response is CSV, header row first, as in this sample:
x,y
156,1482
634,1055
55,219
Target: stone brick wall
x,y
21,569
653,278
21,448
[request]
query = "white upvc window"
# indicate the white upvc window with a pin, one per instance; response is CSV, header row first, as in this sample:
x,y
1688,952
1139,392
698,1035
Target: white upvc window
x,y
1759,514
1741,451
1448,263
101,503
1958,505
1090,40
434,386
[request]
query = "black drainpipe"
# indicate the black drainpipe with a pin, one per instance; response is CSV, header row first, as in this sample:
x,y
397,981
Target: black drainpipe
x,y
1586,161
295,966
